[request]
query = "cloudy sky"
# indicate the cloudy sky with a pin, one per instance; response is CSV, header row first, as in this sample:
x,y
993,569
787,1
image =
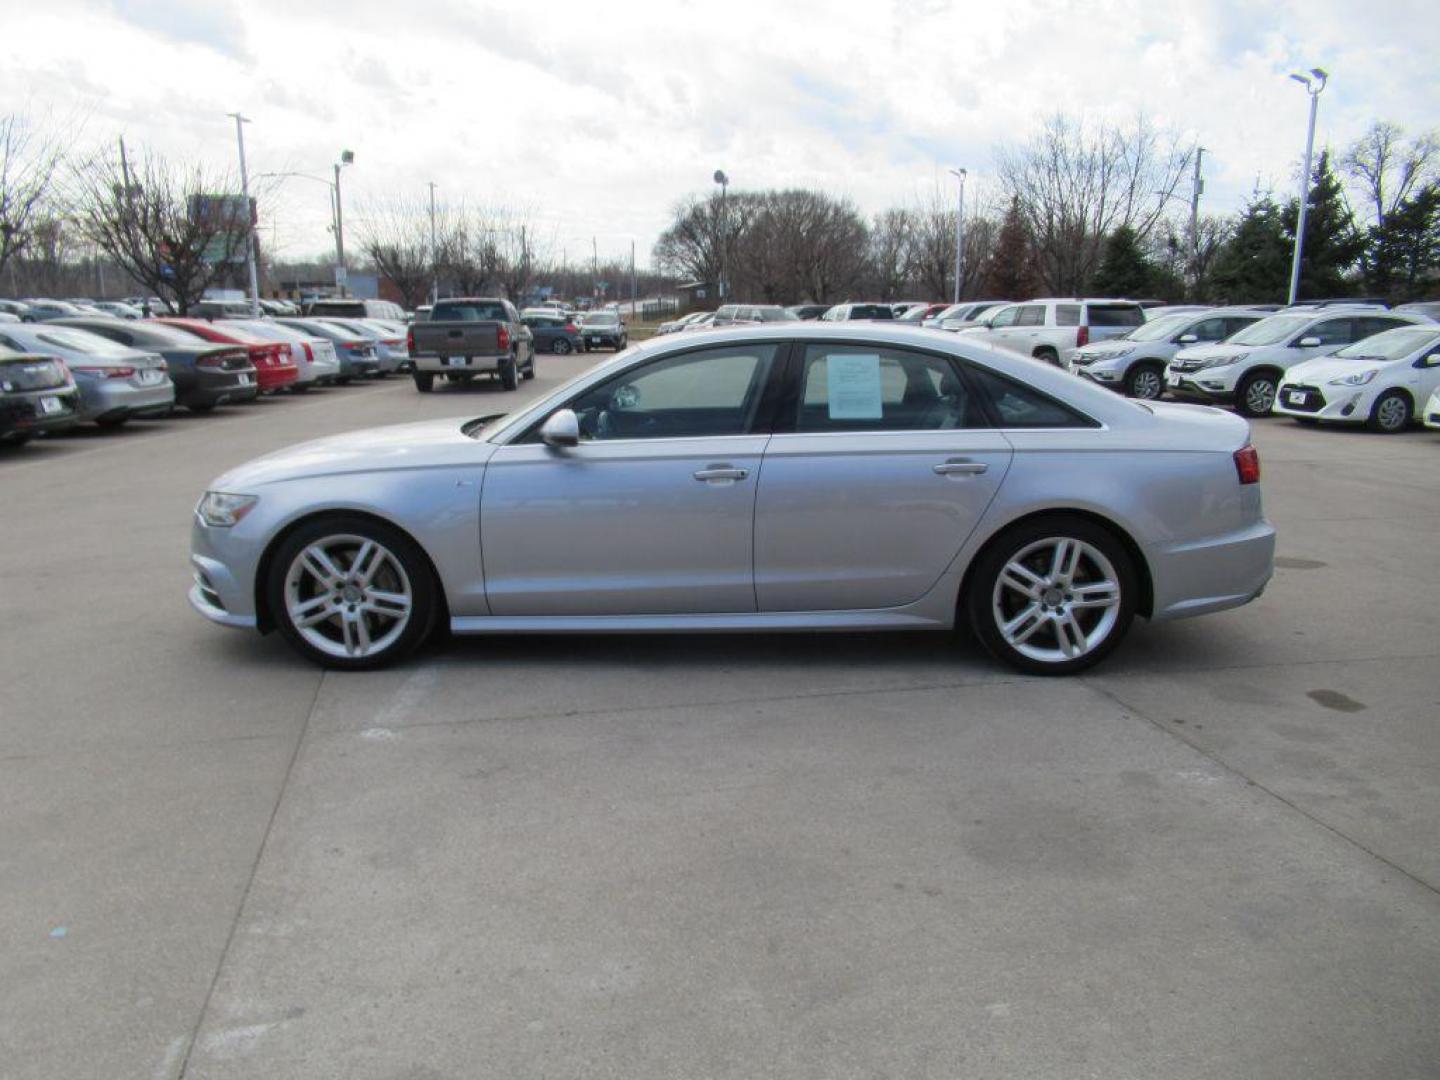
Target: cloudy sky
x,y
596,118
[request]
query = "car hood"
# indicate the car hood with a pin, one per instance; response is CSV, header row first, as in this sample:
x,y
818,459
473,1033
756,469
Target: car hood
x,y
1326,368
1209,352
1107,348
428,444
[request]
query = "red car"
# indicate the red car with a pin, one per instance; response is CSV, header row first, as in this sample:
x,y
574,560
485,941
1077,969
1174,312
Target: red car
x,y
273,366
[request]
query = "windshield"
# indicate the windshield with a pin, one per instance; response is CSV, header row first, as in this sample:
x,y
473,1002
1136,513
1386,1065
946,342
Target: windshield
x,y
1391,345
1269,331
1160,328
775,314
601,318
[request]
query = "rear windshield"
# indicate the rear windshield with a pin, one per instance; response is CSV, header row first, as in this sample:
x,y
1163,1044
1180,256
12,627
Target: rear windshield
x,y
775,314
337,307
468,311
872,311
1116,315
601,318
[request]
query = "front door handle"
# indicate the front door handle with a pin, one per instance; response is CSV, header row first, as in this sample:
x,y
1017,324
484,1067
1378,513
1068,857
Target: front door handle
x,y
959,467
721,472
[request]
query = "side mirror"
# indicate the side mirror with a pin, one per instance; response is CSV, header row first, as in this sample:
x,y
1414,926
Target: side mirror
x,y
1433,360
1187,339
561,430
1307,343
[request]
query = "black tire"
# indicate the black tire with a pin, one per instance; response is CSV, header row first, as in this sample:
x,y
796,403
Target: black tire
x,y
112,421
1050,356
510,374
561,347
201,408
988,609
300,388
1255,393
424,591
1145,381
16,438
424,381
1391,413
342,380
529,371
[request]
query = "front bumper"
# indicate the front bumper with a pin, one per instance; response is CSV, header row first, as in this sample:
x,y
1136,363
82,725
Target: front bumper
x,y
1333,404
223,569
1199,386
596,341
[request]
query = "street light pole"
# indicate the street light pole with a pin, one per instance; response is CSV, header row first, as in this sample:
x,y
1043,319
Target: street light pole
x,y
434,252
342,275
724,182
1314,82
1196,187
959,174
240,123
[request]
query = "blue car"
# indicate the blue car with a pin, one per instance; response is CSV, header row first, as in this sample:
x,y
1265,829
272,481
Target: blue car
x,y
553,332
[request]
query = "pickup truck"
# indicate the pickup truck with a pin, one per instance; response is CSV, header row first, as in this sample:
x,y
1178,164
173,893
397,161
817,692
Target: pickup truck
x,y
465,337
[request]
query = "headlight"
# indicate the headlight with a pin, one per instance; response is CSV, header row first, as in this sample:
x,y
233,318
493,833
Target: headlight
x,y
1360,378
220,509
1116,354
1224,361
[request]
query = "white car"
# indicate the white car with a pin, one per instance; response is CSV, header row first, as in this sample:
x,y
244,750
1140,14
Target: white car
x,y
1432,411
1246,368
1134,363
315,357
1382,381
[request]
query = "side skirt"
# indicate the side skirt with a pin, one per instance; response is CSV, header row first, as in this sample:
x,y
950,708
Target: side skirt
x,y
769,621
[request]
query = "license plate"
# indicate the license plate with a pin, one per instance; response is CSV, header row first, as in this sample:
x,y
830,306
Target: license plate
x,y
150,376
1295,397
244,378
51,405
457,361
1172,380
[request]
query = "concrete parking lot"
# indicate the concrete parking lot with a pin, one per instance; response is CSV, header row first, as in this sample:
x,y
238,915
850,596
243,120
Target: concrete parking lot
x,y
657,857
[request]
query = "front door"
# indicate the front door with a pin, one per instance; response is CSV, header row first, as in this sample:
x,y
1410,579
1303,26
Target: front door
x,y
653,513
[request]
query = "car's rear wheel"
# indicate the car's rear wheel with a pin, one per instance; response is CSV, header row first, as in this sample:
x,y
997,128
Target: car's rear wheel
x,y
16,438
560,347
1052,596
201,407
1255,396
351,592
1391,413
1145,382
510,374
424,381
1050,356
112,421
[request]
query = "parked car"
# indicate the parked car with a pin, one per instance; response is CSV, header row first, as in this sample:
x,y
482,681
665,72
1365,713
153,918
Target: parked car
x,y
274,367
390,347
116,383
469,336
37,395
45,310
910,480
1047,329
18,308
847,312
1432,411
276,308
604,329
959,316
313,356
1134,363
1246,368
916,314
358,356
394,336
1429,308
1161,310
900,308
1350,301
204,374
676,325
747,314
116,308
353,308
553,331
807,312
704,322
1382,381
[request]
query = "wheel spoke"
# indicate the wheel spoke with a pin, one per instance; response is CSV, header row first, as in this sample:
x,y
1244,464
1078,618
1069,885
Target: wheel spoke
x,y
315,610
1097,594
1067,560
368,561
1020,578
356,633
1071,637
1023,626
320,566
391,605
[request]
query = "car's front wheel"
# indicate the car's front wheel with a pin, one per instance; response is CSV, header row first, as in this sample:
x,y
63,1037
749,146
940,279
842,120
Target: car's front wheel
x,y
351,592
560,347
1144,382
1053,596
1391,413
1255,396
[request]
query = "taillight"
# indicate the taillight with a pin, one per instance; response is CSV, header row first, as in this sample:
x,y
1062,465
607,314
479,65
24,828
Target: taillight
x,y
1082,337
309,353
571,328
392,342
353,344
410,340
1247,464
105,372
502,338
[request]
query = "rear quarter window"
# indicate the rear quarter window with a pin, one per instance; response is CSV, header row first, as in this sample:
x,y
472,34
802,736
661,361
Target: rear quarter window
x,y
1015,405
1067,314
1116,315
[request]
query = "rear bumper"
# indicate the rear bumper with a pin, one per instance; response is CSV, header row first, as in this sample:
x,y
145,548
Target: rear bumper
x,y
24,410
217,388
438,365
1212,574
113,399
274,378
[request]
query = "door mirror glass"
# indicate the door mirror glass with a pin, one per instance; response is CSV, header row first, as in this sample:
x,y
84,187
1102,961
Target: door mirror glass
x,y
1433,360
1187,339
562,429
1307,342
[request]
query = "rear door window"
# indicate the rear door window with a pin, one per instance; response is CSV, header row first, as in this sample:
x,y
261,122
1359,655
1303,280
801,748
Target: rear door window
x,y
1067,314
1031,315
873,388
1116,315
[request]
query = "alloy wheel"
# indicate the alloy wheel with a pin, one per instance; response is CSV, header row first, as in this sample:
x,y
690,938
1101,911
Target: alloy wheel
x,y
1392,414
1057,599
1259,396
348,596
1146,384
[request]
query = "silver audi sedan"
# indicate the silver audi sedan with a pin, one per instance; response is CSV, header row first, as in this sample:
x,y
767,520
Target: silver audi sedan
x,y
794,477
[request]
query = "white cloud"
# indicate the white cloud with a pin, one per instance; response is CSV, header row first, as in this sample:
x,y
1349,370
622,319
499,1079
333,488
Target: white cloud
x,y
600,118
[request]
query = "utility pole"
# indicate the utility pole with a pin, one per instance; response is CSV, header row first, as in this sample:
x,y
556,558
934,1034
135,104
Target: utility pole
x,y
240,123
724,182
1197,186
434,252
959,174
125,170
342,276
632,277
1313,83
594,268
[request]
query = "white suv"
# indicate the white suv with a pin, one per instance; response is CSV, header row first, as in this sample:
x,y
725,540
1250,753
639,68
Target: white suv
x,y
1246,368
1049,329
1134,363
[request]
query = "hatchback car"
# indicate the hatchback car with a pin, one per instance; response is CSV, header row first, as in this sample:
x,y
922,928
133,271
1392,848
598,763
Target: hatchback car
x,y
117,383
1382,381
1246,368
1134,363
552,331
787,477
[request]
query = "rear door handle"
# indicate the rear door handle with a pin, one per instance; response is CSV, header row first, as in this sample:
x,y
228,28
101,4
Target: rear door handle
x,y
957,467
721,472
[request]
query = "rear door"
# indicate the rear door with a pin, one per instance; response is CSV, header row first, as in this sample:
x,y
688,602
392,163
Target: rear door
x,y
881,464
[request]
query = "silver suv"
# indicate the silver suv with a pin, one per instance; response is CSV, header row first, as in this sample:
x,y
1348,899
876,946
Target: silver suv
x,y
1134,363
1048,329
749,314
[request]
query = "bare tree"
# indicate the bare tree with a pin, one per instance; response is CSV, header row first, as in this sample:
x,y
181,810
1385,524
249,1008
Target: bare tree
x,y
177,230
890,242
703,232
1388,169
396,238
28,163
1077,183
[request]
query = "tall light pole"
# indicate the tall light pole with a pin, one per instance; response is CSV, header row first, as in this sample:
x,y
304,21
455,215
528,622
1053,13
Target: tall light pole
x,y
959,174
434,252
1314,82
342,276
1196,187
240,123
724,182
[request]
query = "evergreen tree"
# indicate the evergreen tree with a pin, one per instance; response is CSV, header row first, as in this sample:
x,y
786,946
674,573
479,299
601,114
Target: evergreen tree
x,y
1010,272
1124,270
1405,247
1254,265
1333,245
